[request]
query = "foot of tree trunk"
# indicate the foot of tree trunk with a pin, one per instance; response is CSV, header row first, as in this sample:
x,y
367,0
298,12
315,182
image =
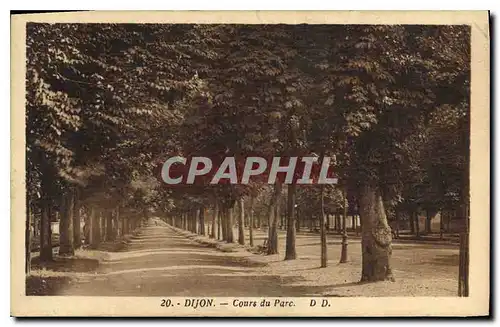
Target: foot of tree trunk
x,y
343,252
376,236
272,242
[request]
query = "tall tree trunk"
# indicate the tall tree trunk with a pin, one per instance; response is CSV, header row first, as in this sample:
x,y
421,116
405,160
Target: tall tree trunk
x,y
463,269
192,218
87,227
298,219
241,224
124,226
376,236
343,252
202,221
250,220
214,221
412,222
196,218
359,224
428,221
110,232
229,222
217,213
77,238
114,221
45,227
102,223
324,254
133,224
328,222
397,218
196,221
417,224
290,252
66,225
36,226
273,214
118,225
95,231
464,260
441,225
29,219
354,223
223,222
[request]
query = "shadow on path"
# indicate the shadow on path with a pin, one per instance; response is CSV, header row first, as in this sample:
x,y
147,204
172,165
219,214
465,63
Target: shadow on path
x,y
159,262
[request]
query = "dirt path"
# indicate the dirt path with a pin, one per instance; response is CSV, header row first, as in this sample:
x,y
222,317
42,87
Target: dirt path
x,y
158,262
161,261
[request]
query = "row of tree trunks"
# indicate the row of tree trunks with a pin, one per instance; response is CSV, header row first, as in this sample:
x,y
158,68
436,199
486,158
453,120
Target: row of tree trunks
x,y
222,220
70,237
102,225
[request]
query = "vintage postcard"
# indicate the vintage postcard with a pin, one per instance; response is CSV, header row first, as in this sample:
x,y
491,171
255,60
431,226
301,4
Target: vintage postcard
x,y
222,164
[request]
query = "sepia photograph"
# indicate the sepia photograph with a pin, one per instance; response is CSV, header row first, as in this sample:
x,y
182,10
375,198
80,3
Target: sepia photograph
x,y
256,164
